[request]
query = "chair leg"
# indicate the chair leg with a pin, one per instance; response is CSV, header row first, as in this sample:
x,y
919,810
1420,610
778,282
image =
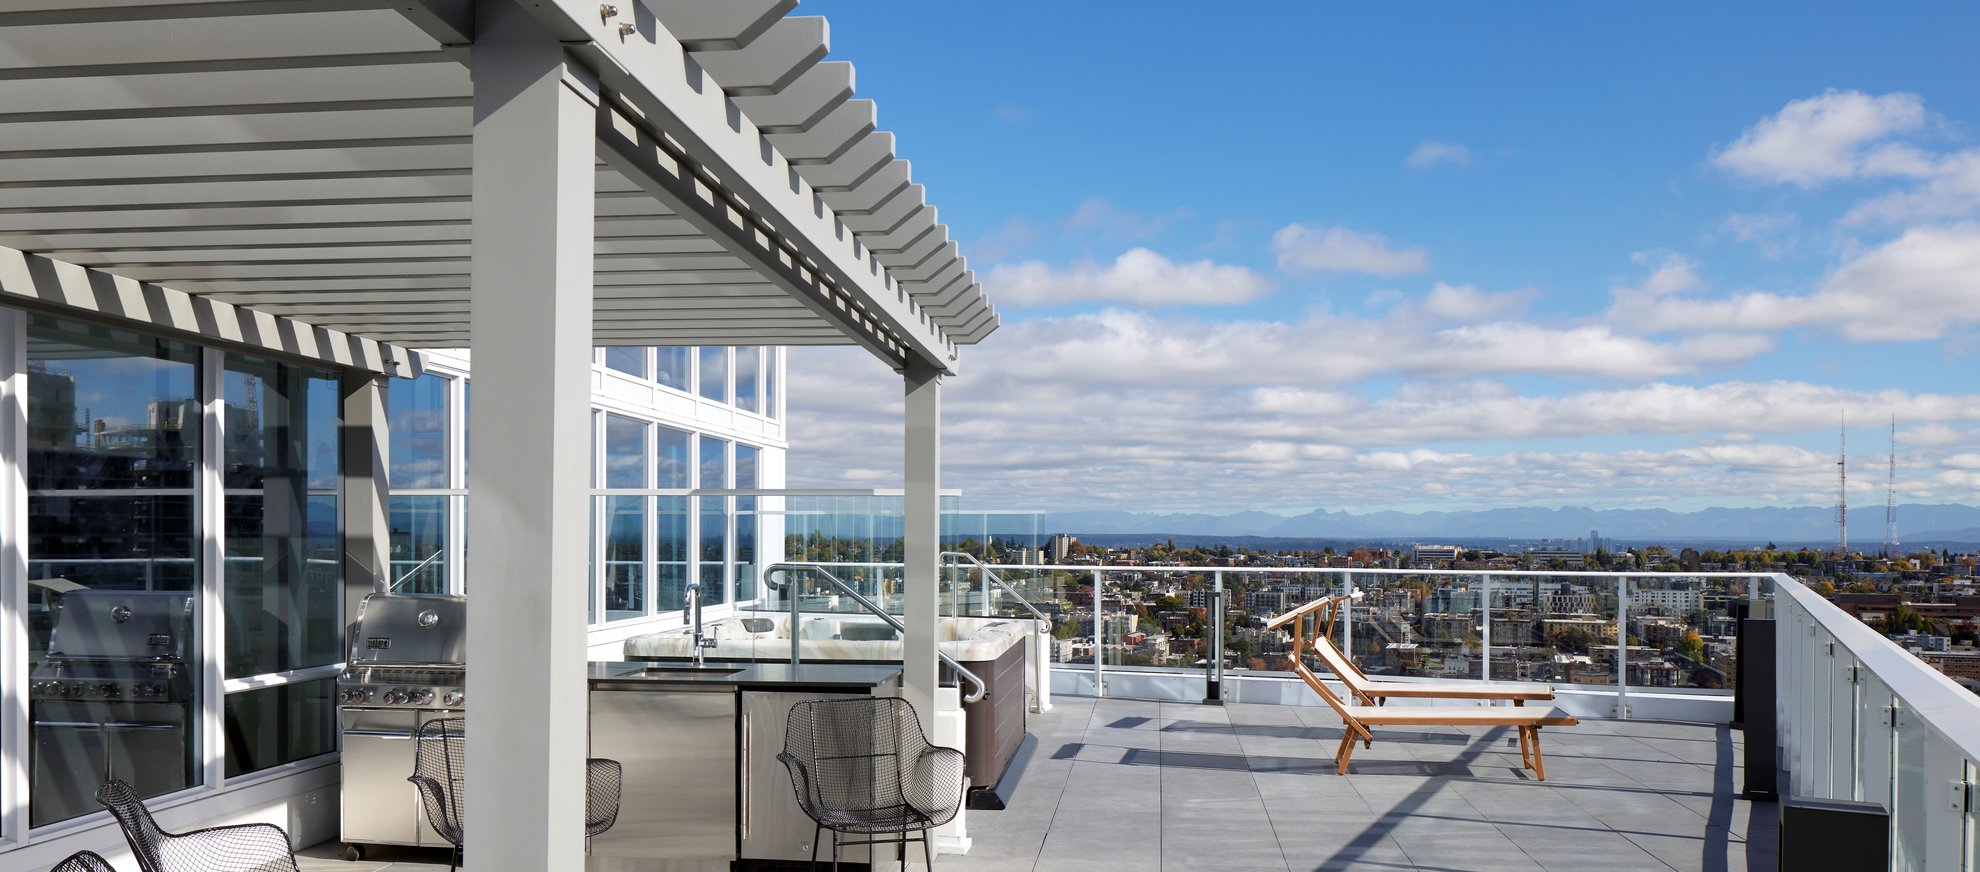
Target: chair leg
x,y
1539,765
816,831
900,850
927,853
1346,754
454,860
835,851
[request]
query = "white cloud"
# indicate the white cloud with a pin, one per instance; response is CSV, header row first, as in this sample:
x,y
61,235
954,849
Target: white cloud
x,y
1466,303
1093,435
1950,189
1821,139
1139,276
1337,249
1431,152
1114,222
1773,235
1916,287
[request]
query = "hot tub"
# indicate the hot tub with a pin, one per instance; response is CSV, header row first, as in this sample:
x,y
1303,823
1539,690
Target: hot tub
x,y
991,648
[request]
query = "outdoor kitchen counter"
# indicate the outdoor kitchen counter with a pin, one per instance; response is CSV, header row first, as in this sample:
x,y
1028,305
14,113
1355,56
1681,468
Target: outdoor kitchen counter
x,y
783,677
703,790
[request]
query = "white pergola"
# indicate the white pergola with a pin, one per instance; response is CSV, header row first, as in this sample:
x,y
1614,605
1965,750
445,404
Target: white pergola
x,y
353,180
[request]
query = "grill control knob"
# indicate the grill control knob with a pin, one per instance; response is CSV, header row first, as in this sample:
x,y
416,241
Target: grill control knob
x,y
48,688
421,696
110,691
396,696
78,690
453,698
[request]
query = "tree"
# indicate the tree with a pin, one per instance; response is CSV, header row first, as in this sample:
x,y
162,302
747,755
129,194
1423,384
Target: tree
x,y
1692,646
1574,640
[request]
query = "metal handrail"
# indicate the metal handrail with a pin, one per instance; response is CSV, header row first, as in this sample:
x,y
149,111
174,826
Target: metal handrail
x,y
815,571
992,576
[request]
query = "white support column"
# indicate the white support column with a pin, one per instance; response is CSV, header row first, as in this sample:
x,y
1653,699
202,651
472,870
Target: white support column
x,y
534,153
14,747
367,522
922,529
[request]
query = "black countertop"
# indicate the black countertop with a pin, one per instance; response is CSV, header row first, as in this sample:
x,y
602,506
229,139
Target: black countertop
x,y
745,676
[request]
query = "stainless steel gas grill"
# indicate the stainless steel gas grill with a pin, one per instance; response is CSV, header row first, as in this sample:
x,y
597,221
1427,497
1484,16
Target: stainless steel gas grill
x,y
113,698
406,667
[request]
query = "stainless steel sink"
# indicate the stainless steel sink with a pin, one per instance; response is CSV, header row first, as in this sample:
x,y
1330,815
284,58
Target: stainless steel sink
x,y
681,670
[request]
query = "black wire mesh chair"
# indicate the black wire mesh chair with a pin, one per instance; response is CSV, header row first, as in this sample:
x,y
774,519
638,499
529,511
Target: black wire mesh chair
x,y
439,764
863,767
83,861
240,848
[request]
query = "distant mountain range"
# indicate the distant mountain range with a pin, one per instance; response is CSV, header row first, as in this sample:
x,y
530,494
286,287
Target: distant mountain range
x,y
1918,524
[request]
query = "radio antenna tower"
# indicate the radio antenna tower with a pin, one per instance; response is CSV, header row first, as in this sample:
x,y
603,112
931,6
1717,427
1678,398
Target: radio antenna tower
x,y
1842,486
1890,500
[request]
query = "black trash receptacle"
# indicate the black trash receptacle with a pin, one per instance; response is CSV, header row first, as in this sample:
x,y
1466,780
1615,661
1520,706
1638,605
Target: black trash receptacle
x,y
1834,835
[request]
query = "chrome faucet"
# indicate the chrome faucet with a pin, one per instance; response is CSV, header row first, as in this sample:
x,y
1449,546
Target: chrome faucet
x,y
701,642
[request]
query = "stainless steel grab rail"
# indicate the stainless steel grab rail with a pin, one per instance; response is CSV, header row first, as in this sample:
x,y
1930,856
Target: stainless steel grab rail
x,y
990,575
815,571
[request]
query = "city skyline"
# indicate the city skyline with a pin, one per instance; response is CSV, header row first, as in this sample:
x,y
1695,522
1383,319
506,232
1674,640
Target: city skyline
x,y
1430,271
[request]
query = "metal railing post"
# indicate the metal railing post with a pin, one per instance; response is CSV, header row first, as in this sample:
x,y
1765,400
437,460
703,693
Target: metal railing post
x,y
1347,613
1099,633
1622,647
1485,608
791,593
1213,677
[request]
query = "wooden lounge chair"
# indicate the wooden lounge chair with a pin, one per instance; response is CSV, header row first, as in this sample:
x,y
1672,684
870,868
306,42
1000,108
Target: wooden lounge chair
x,y
1357,719
1368,691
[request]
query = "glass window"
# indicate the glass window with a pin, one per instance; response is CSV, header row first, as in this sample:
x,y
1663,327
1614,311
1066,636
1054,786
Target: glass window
x,y
771,357
625,557
714,519
114,423
419,543
625,452
631,361
416,411
284,556
672,366
270,726
749,364
715,374
671,547
746,456
625,519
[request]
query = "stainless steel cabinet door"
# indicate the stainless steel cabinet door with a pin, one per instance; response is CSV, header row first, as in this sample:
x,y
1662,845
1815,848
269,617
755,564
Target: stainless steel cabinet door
x,y
777,828
379,805
678,748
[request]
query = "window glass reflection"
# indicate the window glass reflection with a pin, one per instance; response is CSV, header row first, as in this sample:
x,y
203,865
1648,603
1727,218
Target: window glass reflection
x,y
284,555
631,361
671,366
715,374
419,544
749,361
625,452
270,726
746,478
714,519
771,357
416,411
114,424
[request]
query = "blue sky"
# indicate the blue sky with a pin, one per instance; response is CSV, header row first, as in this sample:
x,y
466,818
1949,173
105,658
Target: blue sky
x,y
1289,255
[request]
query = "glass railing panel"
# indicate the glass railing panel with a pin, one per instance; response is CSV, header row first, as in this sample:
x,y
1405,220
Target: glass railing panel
x,y
1842,715
1820,675
1908,794
1873,741
1684,629
1969,823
